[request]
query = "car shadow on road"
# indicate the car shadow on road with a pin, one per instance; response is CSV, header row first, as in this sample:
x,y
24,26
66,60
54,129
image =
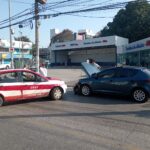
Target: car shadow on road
x,y
38,100
101,99
103,115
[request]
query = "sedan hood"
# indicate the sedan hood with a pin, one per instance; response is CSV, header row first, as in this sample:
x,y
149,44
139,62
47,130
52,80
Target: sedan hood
x,y
89,69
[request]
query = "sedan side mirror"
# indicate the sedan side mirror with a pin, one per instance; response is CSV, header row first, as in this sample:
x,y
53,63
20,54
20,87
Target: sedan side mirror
x,y
94,75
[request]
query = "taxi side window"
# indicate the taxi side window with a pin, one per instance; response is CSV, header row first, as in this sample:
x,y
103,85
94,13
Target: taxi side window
x,y
28,77
40,79
9,77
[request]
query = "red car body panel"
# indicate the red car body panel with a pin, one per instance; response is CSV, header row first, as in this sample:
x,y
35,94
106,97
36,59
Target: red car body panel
x,y
11,91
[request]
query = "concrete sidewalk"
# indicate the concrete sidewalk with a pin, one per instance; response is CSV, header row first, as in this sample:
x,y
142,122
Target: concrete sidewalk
x,y
68,74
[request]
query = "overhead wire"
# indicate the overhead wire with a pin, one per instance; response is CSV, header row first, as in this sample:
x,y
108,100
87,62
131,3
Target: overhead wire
x,y
57,4
112,6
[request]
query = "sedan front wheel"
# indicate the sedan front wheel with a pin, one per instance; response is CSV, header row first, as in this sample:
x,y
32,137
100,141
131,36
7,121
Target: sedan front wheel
x,y
85,90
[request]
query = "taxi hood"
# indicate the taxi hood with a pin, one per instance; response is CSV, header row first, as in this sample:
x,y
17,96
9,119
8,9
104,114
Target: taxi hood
x,y
89,68
52,78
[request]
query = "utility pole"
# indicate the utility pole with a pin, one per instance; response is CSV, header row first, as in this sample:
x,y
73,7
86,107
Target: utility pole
x,y
37,31
37,35
10,35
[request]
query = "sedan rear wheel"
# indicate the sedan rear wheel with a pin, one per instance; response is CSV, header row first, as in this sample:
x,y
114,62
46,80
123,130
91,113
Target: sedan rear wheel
x,y
139,95
56,93
1,101
85,90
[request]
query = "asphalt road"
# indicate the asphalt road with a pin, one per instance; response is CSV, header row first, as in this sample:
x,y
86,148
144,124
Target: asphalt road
x,y
75,123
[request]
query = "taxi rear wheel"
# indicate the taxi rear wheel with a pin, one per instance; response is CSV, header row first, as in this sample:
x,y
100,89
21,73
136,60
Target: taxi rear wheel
x,y
7,67
1,101
56,93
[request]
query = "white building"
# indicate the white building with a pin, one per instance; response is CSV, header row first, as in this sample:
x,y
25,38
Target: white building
x,y
136,53
104,50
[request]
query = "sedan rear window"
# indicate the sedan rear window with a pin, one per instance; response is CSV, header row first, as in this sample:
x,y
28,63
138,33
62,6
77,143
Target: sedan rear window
x,y
147,71
124,73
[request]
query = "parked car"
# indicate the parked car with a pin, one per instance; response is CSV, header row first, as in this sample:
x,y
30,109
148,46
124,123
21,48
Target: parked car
x,y
20,84
126,80
5,66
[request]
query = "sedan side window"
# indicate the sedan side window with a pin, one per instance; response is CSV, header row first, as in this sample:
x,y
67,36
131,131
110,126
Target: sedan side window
x,y
106,74
125,73
122,73
9,77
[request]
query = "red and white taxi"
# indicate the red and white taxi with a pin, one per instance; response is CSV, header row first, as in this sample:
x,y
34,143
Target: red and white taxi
x,y
19,84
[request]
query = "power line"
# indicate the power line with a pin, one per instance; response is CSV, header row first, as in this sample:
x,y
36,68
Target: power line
x,y
106,7
16,1
91,9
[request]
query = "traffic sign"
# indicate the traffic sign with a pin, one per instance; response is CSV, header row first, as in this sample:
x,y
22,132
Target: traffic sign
x,y
11,49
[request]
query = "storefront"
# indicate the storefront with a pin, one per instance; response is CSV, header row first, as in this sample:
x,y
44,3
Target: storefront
x,y
103,50
136,53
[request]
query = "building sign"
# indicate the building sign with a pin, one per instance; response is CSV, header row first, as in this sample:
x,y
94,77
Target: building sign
x,y
4,56
136,46
11,49
139,45
93,42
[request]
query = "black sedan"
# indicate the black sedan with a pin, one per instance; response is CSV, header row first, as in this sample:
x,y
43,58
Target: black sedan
x,y
125,80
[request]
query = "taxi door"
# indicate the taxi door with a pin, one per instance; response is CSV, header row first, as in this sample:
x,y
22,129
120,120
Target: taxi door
x,y
10,86
33,87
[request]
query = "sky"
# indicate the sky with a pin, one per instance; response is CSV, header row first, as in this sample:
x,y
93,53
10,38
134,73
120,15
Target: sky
x,y
74,23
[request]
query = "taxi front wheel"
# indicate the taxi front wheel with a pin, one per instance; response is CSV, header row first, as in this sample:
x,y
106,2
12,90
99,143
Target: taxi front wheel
x,y
56,93
1,101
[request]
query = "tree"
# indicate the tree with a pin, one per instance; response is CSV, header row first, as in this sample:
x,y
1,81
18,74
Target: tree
x,y
65,35
22,38
133,22
26,39
33,50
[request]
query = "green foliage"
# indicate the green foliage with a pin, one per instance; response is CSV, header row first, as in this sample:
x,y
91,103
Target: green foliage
x,y
133,22
22,38
65,35
33,50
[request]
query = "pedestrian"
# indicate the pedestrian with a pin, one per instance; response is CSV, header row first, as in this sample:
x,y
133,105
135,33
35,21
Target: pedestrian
x,y
93,62
26,66
43,70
